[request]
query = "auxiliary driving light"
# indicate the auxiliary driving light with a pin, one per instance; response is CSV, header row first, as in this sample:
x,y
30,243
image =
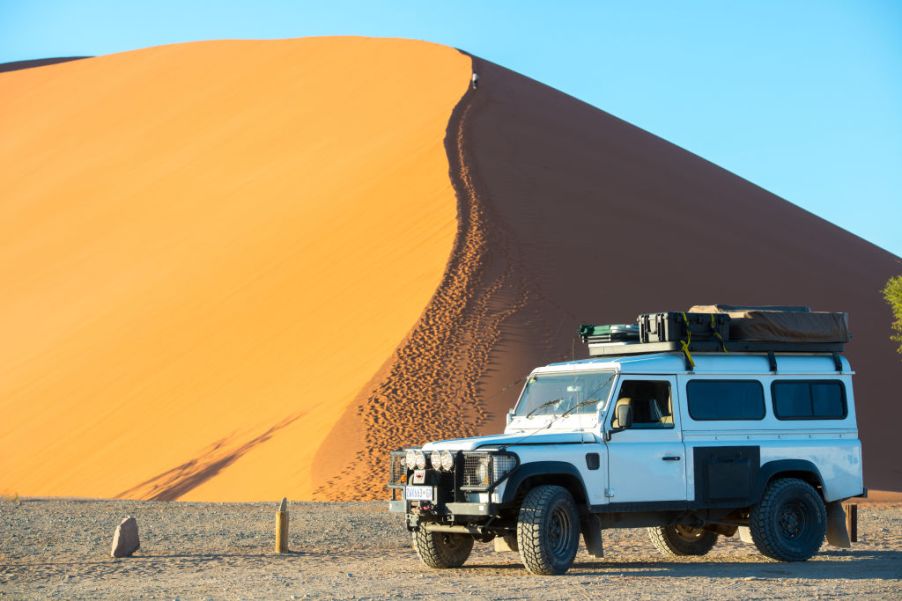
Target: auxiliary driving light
x,y
420,458
436,460
410,459
447,460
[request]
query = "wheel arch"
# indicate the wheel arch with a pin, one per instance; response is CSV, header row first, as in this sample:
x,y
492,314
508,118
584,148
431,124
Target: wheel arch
x,y
529,475
789,468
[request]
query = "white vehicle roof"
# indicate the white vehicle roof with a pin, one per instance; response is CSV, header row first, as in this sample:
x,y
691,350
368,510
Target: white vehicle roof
x,y
706,363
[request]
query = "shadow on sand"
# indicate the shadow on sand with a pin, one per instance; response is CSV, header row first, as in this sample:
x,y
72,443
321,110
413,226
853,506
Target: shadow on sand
x,y
860,565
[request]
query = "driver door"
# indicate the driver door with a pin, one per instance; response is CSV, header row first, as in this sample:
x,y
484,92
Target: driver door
x,y
647,460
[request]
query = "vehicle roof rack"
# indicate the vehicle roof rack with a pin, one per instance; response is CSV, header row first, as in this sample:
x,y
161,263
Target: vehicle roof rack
x,y
613,349
724,329
597,349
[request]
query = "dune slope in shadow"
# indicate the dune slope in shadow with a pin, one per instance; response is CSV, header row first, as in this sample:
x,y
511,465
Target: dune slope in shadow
x,y
206,251
569,215
603,220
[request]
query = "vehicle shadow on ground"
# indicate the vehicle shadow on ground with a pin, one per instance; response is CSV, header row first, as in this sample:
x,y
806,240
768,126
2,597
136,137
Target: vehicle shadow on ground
x,y
859,565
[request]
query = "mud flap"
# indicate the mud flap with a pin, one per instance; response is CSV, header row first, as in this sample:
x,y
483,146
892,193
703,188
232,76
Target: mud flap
x,y
591,527
837,534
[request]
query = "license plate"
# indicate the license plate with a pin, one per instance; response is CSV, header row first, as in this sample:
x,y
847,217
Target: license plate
x,y
418,493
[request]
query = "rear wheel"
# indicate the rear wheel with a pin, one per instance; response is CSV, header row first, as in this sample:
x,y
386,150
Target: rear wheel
x,y
442,549
682,540
790,522
548,530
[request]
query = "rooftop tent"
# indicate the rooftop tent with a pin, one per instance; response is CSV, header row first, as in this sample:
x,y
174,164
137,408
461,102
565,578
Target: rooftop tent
x,y
782,324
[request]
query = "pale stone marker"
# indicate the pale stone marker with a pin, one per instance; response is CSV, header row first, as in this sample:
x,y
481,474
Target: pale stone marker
x,y
125,539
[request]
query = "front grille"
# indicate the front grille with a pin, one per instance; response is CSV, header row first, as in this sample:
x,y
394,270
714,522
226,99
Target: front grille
x,y
397,474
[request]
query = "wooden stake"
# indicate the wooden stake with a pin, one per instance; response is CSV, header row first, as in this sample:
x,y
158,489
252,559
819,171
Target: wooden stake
x,y
282,527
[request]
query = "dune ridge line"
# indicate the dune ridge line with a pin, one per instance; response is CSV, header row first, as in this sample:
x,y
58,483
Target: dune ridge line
x,y
431,387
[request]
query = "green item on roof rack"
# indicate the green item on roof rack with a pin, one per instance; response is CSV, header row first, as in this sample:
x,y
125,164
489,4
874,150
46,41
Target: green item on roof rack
x,y
610,332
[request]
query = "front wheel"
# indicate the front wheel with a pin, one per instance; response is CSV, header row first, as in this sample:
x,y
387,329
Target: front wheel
x,y
682,540
790,522
548,530
442,549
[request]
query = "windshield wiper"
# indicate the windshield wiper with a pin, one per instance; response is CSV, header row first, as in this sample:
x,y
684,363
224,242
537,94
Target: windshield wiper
x,y
577,406
552,422
542,406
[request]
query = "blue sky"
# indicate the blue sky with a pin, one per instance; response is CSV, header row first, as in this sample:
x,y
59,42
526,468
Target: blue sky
x,y
802,98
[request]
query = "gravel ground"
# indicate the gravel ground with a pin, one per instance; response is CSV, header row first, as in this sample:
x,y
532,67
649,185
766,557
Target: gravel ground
x,y
54,548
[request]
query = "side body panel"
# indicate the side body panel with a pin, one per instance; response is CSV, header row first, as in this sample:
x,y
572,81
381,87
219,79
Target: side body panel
x,y
830,446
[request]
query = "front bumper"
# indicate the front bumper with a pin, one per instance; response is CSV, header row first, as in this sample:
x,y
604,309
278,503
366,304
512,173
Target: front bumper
x,y
451,509
469,491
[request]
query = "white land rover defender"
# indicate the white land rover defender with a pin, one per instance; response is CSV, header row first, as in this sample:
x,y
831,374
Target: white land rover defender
x,y
691,445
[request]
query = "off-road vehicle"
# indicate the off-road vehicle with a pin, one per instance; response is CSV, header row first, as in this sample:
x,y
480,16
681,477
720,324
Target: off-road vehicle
x,y
690,439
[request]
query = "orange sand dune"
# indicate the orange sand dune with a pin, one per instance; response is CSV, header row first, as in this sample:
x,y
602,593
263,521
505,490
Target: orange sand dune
x,y
207,251
242,270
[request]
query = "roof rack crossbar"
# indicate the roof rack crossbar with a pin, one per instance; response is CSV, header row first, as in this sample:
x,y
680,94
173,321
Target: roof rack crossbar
x,y
714,346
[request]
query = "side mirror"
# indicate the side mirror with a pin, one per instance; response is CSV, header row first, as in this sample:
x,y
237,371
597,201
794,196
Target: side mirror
x,y
624,417
510,416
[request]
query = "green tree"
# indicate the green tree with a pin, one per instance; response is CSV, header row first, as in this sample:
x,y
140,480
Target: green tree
x,y
892,292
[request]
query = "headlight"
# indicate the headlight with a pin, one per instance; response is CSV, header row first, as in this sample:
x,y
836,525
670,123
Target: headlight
x,y
447,460
436,460
482,472
410,459
420,458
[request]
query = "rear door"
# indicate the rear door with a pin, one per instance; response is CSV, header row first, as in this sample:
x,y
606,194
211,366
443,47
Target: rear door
x,y
646,462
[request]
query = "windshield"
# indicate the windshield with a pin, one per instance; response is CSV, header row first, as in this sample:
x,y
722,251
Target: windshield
x,y
554,394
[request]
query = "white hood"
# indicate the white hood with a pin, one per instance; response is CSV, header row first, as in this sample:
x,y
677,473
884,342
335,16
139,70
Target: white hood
x,y
470,444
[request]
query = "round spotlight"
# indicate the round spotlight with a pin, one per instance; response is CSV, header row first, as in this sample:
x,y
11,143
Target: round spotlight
x,y
420,460
447,460
410,459
436,460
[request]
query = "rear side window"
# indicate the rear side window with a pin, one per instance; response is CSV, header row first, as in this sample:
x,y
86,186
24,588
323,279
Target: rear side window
x,y
812,399
725,400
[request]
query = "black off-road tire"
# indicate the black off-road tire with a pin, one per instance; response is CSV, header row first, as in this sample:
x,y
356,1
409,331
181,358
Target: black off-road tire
x,y
548,530
790,522
442,550
676,541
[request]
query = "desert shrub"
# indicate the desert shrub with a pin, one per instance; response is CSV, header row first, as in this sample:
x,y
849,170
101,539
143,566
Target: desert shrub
x,y
892,292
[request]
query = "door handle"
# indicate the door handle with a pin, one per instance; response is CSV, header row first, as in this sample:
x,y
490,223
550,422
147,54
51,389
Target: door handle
x,y
671,458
